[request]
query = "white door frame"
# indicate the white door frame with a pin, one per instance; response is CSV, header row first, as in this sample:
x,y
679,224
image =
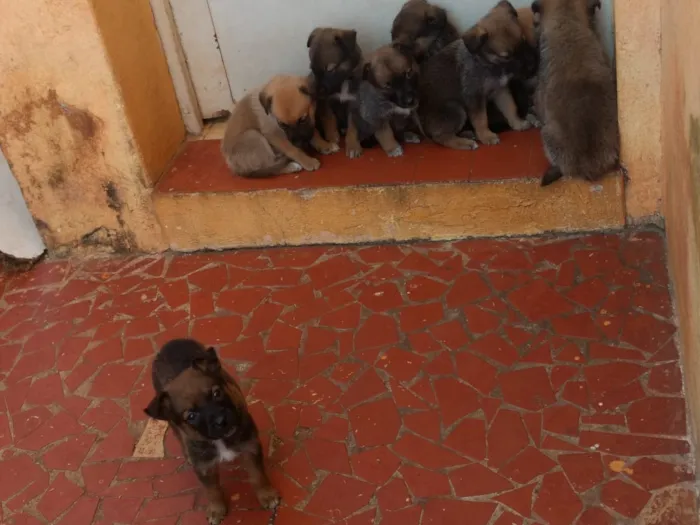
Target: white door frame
x,y
201,83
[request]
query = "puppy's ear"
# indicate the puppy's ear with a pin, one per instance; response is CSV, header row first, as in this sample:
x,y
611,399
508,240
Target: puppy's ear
x,y
536,7
505,4
160,407
367,73
475,38
403,48
209,364
436,17
347,41
309,89
312,36
265,101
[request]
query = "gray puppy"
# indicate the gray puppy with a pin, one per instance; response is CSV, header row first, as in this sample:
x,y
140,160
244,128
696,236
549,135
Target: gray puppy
x,y
457,82
387,91
576,95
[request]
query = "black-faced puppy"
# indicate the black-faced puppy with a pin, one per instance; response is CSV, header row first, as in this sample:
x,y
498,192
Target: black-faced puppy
x,y
576,95
269,128
423,26
334,56
523,83
388,90
208,413
457,82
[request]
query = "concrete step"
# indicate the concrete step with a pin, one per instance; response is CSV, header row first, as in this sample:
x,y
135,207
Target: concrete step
x,y
430,193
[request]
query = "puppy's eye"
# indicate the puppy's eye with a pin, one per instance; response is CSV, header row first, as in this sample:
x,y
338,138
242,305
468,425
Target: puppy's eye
x,y
303,119
191,416
409,74
504,54
216,393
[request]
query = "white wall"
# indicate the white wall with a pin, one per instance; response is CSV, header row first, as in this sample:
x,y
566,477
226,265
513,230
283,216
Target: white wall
x,y
18,234
260,38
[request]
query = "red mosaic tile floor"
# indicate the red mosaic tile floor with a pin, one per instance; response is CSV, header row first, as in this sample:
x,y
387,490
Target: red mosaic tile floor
x,y
480,382
201,168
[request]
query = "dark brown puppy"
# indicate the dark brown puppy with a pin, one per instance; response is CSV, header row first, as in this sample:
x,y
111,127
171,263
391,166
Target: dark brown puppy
x,y
207,410
387,92
457,82
425,27
334,56
576,95
270,127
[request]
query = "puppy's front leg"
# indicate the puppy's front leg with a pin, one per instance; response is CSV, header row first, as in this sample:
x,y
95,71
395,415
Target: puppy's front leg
x,y
386,139
480,122
280,142
322,146
217,508
254,463
503,99
353,148
330,125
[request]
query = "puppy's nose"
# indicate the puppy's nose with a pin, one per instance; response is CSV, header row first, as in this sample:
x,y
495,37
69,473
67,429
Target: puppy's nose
x,y
409,100
220,420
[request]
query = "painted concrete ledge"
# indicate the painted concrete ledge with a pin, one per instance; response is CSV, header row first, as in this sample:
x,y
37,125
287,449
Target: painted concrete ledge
x,y
359,214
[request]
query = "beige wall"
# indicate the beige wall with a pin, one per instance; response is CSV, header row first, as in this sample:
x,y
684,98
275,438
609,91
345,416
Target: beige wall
x,y
680,89
85,167
638,61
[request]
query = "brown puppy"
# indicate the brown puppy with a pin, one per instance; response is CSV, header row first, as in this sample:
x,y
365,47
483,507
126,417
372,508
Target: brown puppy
x,y
457,82
424,26
269,127
207,410
388,90
334,56
576,95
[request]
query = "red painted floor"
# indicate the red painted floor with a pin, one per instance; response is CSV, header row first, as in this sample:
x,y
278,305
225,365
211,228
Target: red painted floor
x,y
201,168
476,382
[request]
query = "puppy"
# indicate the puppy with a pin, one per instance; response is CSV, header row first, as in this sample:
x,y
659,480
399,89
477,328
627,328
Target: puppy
x,y
269,127
423,26
388,90
457,82
334,56
524,81
207,410
576,95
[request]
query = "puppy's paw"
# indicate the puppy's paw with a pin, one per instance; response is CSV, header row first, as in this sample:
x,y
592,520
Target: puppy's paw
x,y
333,147
268,497
411,138
533,120
353,152
490,139
312,164
396,152
292,167
326,148
216,512
522,125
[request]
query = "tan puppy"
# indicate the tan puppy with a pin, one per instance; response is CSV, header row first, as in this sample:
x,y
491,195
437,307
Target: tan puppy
x,y
457,83
576,95
269,127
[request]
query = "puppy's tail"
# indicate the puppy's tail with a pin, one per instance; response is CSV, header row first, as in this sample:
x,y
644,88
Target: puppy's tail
x,y
552,174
